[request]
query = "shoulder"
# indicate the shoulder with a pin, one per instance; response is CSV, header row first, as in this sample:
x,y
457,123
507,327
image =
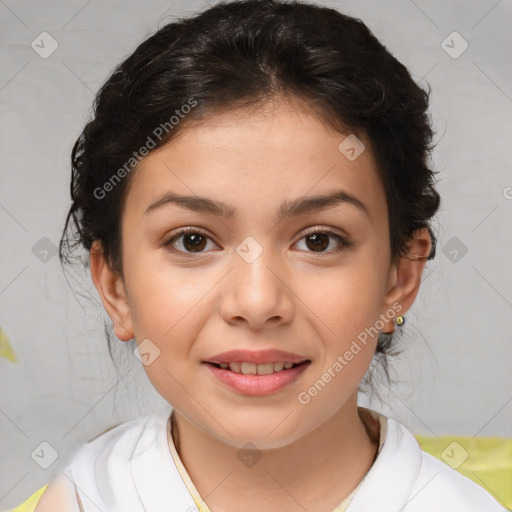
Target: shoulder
x,y
30,503
439,487
116,445
87,462
59,496
444,488
406,478
124,433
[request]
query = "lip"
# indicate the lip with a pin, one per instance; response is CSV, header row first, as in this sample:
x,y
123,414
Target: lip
x,y
258,385
258,357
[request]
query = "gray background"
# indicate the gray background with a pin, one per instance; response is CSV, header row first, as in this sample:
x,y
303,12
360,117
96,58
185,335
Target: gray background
x,y
454,377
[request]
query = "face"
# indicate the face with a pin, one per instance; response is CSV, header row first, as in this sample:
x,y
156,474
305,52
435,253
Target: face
x,y
255,275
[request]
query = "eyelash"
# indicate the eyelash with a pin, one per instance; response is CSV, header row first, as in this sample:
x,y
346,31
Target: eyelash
x,y
343,242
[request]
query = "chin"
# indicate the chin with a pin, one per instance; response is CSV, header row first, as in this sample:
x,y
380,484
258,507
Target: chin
x,y
263,431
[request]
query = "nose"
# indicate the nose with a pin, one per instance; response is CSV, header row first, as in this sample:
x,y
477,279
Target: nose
x,y
257,292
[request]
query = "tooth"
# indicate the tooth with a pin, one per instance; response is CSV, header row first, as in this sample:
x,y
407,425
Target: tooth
x,y
256,369
248,368
235,367
265,369
278,367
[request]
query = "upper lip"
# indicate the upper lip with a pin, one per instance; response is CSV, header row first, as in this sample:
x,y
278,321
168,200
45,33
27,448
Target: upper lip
x,y
258,357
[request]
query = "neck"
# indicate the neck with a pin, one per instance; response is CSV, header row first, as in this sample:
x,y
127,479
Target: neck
x,y
315,473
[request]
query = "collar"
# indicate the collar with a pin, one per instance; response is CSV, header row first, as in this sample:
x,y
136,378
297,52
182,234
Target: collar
x,y
399,453
398,449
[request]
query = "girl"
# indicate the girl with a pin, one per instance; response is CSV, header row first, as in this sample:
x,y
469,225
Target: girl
x,y
254,194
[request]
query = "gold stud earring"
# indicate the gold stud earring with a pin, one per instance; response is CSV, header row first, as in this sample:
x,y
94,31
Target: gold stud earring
x,y
399,320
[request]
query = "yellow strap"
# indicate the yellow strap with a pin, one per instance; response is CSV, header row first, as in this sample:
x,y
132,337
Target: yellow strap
x,y
30,504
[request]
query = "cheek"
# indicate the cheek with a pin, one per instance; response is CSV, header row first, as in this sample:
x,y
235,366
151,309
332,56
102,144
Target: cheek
x,y
164,299
168,306
345,308
346,300
346,304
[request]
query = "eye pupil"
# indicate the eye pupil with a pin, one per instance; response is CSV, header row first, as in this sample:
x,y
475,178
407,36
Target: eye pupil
x,y
197,241
317,241
320,241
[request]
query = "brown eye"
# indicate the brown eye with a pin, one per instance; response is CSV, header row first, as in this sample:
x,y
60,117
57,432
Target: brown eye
x,y
192,241
317,241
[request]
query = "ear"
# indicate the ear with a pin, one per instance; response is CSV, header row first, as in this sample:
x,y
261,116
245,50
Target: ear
x,y
111,289
405,276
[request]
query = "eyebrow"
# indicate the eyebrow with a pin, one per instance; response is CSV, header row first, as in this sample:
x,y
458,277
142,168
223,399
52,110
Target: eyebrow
x,y
292,208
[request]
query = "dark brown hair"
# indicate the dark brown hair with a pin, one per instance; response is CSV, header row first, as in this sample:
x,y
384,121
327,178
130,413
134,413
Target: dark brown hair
x,y
240,53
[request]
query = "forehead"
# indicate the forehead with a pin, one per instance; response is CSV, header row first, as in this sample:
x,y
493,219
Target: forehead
x,y
258,156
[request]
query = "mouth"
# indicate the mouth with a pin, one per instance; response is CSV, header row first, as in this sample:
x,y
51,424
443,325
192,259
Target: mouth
x,y
252,379
257,372
247,368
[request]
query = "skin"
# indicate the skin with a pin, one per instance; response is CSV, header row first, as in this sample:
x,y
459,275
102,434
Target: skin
x,y
290,297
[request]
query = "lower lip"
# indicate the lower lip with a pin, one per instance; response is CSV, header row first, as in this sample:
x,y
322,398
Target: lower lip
x,y
258,385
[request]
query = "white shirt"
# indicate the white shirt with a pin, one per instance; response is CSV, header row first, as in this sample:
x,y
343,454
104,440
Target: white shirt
x,y
134,468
